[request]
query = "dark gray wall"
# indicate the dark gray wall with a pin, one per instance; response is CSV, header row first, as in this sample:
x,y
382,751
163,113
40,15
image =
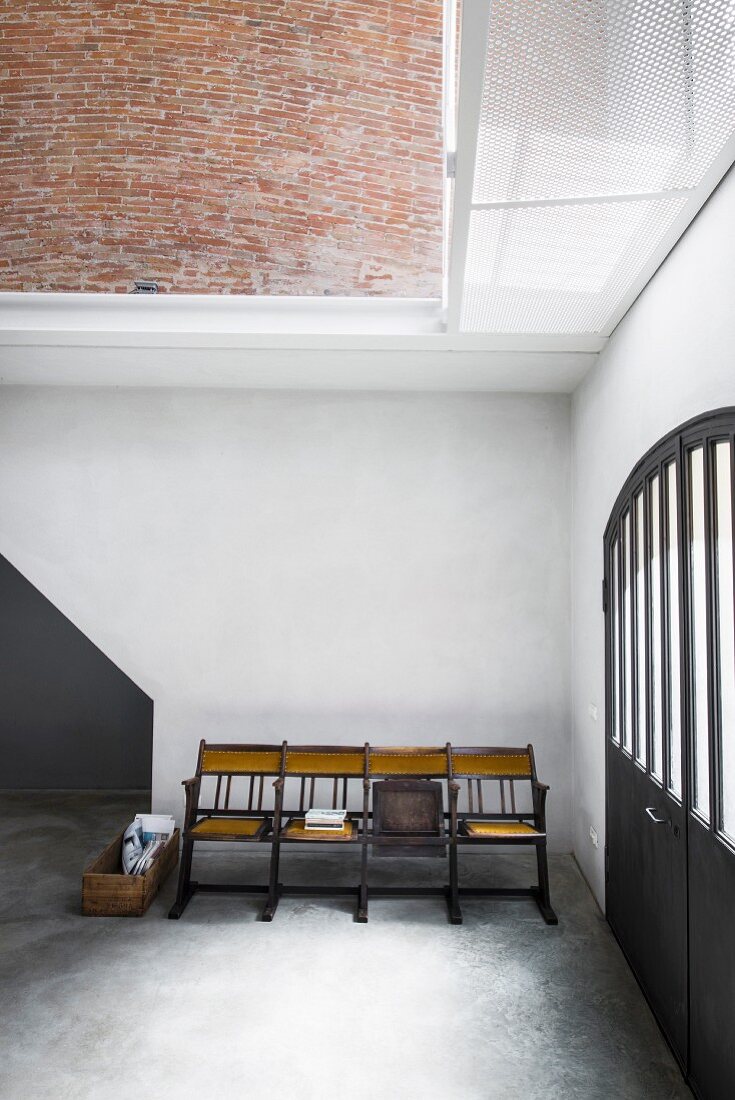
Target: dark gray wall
x,y
68,716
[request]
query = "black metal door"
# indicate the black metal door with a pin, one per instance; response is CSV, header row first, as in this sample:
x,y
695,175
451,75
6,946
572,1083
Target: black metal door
x,y
647,892
711,965
670,740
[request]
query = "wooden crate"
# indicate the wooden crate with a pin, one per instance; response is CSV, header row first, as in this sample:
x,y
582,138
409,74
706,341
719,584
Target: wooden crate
x,y
107,892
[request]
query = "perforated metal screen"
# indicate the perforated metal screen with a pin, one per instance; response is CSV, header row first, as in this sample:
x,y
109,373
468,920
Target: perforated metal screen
x,y
603,96
557,268
589,99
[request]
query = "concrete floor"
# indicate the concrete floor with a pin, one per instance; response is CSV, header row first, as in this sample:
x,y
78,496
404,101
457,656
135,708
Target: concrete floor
x,y
218,1006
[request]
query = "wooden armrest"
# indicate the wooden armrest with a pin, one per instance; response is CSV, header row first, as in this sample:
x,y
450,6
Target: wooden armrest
x,y
191,789
539,791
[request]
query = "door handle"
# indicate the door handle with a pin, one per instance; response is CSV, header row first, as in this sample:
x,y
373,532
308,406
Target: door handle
x,y
651,811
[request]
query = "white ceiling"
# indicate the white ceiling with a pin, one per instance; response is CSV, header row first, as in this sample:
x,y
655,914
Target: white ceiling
x,y
307,343
305,369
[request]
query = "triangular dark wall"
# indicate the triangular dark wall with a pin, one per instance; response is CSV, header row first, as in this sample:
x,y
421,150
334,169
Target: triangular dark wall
x,y
69,717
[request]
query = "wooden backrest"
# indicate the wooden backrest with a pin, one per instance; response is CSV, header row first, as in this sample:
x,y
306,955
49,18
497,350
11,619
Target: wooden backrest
x,y
496,763
417,762
333,761
239,759
504,768
299,765
245,765
312,763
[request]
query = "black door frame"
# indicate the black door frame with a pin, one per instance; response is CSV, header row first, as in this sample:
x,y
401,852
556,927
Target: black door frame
x,y
645,788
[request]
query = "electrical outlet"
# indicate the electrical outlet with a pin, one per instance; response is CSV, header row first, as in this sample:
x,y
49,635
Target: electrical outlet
x,y
593,836
592,711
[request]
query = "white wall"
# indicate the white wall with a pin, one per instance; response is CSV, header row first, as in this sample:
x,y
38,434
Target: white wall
x,y
392,567
672,358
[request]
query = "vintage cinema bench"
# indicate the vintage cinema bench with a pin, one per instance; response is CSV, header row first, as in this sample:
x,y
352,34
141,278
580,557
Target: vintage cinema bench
x,y
395,800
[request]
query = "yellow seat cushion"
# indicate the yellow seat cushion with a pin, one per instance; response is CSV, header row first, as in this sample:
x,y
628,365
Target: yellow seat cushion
x,y
296,830
505,764
227,826
500,828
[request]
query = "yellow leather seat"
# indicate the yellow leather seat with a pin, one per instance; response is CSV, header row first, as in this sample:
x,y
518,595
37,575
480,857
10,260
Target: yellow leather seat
x,y
232,828
500,829
296,830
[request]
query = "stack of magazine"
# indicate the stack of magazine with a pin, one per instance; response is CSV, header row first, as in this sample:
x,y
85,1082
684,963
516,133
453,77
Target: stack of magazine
x,y
332,821
144,840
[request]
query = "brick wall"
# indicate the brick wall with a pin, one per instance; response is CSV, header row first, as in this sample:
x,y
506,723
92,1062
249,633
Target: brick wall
x,y
283,147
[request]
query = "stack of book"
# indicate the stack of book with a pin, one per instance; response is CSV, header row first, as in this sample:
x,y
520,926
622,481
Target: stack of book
x,y
332,821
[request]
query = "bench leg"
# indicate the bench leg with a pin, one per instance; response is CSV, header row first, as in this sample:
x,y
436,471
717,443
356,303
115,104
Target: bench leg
x,y
271,903
185,889
362,901
543,899
455,912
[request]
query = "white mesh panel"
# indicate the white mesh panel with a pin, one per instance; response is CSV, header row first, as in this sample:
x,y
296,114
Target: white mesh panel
x,y
595,97
557,269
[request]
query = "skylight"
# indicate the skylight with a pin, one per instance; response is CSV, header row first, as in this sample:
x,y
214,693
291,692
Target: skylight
x,y
592,133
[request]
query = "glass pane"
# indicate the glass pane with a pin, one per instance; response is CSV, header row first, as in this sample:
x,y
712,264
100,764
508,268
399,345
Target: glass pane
x,y
656,649
615,623
640,630
674,714
726,631
627,636
698,600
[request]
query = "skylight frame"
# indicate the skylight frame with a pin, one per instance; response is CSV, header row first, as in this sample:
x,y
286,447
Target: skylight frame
x,y
449,133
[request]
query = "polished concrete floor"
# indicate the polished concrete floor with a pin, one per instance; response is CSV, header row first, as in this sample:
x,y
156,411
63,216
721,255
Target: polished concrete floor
x,y
219,1006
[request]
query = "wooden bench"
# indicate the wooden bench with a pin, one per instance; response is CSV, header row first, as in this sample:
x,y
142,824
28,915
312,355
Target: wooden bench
x,y
259,794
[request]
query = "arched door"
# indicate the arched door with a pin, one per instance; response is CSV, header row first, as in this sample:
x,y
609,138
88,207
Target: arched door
x,y
670,735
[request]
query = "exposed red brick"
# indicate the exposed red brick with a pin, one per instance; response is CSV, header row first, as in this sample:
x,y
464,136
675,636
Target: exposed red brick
x,y
282,147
